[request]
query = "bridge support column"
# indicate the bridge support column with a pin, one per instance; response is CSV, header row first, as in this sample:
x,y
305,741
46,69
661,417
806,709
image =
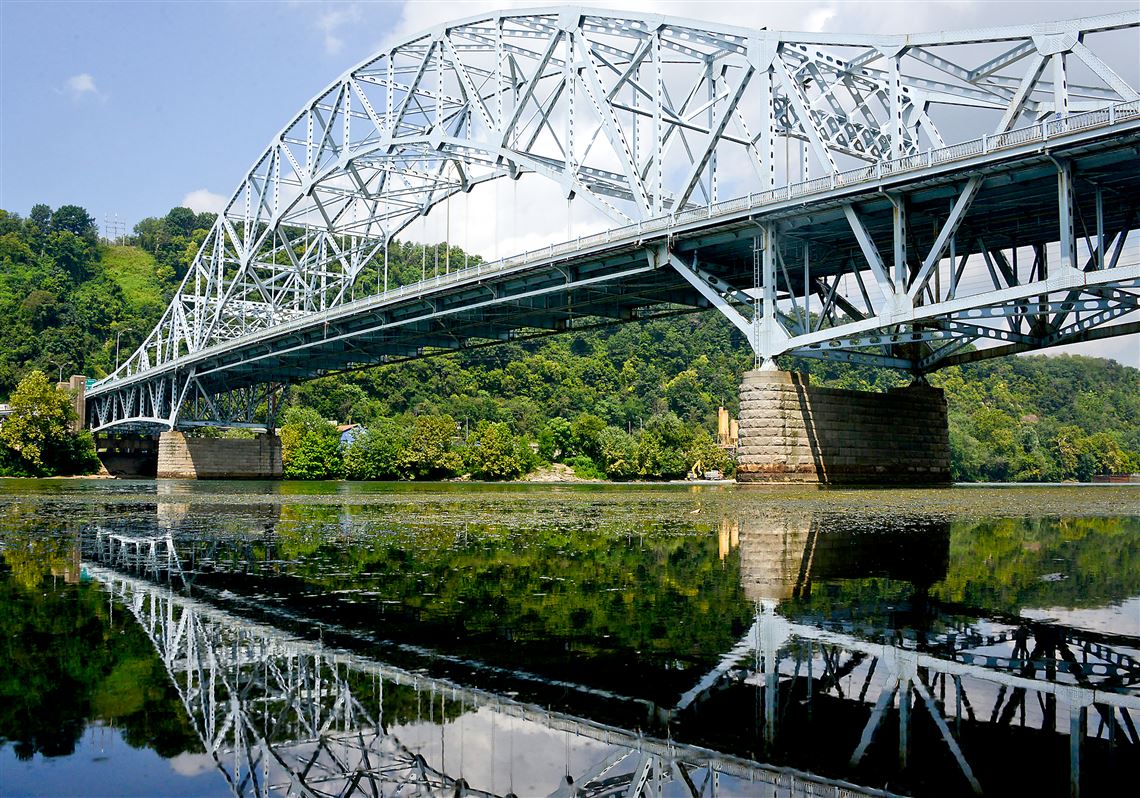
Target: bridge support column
x,y
182,457
792,432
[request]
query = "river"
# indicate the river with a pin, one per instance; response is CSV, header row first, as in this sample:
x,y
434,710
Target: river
x,y
242,638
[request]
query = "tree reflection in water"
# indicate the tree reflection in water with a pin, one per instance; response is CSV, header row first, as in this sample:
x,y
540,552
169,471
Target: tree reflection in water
x,y
399,645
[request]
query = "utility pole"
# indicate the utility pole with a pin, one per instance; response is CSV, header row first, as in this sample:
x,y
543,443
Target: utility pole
x,y
117,336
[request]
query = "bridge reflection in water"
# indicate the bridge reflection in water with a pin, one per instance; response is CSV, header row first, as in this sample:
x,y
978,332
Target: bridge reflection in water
x,y
828,688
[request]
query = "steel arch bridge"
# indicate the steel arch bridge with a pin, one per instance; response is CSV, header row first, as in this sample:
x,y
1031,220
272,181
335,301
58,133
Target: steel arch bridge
x,y
801,184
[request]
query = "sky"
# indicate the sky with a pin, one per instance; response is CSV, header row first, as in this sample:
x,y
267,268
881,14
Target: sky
x,y
131,108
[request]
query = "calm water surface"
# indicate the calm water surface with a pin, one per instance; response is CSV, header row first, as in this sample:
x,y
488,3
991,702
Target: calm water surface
x,y
213,639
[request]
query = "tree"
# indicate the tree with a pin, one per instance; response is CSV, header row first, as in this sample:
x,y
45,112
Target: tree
x,y
150,234
378,453
618,453
75,220
181,221
556,440
494,453
314,456
586,428
38,432
71,253
430,454
704,450
40,216
310,446
662,450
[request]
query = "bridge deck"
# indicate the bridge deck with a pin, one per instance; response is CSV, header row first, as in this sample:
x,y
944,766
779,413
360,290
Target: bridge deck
x,y
623,274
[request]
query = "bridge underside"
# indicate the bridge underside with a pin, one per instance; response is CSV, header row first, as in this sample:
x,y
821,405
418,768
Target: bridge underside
x,y
1027,248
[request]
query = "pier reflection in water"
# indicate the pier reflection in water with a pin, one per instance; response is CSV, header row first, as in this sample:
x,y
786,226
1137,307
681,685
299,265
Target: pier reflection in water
x,y
324,650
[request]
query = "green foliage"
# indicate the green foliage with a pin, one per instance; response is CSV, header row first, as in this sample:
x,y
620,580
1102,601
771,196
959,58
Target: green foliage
x,y
662,448
1042,419
379,452
314,457
618,453
430,453
585,467
585,430
37,439
310,446
133,270
493,452
704,453
556,441
69,661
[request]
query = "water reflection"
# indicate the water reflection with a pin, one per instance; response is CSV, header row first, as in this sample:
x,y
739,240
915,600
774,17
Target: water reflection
x,y
331,649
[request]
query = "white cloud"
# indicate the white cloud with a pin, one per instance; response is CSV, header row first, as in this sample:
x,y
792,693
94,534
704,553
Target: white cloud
x,y
331,21
204,200
186,764
81,86
818,19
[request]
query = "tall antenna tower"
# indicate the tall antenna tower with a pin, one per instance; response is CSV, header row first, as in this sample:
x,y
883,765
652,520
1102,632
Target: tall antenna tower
x,y
114,228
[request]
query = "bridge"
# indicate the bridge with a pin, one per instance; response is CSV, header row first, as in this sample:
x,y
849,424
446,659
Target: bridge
x,y
911,201
281,713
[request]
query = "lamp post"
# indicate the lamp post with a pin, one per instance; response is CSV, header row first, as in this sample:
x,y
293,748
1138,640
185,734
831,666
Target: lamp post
x,y
117,335
60,366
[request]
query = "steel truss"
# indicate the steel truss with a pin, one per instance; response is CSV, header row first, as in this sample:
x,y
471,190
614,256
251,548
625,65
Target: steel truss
x,y
992,674
287,717
284,716
649,120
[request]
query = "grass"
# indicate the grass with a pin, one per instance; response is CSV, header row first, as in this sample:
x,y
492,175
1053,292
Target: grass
x,y
134,270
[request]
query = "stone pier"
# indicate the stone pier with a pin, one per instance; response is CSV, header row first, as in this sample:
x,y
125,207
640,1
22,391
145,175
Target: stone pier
x,y
793,432
182,457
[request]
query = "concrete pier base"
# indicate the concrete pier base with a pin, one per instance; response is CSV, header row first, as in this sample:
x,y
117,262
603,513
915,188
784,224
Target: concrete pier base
x,y
181,457
792,432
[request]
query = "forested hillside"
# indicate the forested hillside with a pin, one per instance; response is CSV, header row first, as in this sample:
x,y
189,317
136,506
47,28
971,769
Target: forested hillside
x,y
66,300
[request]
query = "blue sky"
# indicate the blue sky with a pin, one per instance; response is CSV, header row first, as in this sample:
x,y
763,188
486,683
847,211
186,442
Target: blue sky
x,y
133,108
128,108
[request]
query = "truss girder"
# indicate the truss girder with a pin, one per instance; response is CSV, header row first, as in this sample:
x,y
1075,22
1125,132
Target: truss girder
x,y
638,115
282,716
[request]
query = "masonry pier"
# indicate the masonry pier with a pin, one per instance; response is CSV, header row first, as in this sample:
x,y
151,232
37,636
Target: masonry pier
x,y
184,457
793,432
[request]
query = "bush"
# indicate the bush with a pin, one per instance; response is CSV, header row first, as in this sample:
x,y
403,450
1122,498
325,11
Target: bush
x,y
585,468
310,446
430,453
493,452
379,453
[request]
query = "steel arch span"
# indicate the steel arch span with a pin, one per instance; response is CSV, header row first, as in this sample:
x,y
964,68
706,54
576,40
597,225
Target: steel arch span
x,y
888,246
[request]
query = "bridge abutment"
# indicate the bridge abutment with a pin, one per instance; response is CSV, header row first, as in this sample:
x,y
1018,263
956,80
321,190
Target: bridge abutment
x,y
183,457
793,432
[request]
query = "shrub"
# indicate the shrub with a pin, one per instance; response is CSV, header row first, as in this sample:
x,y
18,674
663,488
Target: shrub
x,y
430,453
493,452
379,453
